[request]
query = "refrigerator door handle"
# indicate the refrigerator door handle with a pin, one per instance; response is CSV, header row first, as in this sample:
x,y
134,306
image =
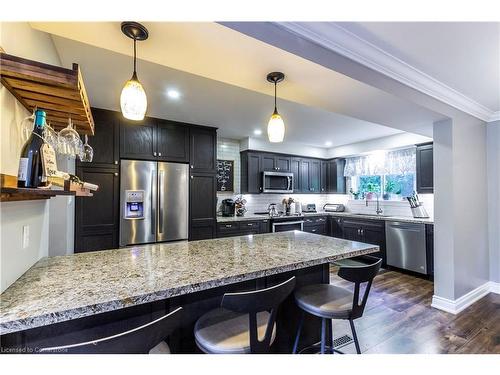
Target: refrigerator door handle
x,y
153,210
161,187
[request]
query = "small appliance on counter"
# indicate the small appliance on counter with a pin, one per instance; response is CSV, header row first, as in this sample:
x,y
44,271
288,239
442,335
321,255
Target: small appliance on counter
x,y
309,207
334,207
417,209
227,207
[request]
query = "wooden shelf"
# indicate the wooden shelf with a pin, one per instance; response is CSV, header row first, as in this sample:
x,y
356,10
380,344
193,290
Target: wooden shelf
x,y
9,194
58,91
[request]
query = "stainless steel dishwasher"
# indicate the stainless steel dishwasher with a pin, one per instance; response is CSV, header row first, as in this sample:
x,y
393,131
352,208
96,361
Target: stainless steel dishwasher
x,y
405,246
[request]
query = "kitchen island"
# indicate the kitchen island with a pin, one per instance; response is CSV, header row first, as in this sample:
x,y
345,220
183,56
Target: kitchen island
x,y
65,299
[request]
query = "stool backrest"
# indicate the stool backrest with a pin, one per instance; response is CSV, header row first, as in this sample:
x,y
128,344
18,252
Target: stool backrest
x,y
139,340
364,273
253,302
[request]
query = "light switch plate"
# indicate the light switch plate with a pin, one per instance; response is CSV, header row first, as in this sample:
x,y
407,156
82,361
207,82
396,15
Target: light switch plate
x,y
26,236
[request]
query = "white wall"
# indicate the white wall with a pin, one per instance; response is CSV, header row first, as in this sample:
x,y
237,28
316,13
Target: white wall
x,y
493,151
20,40
383,143
261,144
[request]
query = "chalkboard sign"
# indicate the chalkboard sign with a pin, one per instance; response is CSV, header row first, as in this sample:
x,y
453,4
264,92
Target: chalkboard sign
x,y
225,175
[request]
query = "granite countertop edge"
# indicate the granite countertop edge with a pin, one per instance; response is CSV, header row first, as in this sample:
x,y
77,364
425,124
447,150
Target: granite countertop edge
x,y
113,305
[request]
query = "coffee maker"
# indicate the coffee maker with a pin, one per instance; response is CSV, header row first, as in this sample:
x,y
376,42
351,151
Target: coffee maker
x,y
227,207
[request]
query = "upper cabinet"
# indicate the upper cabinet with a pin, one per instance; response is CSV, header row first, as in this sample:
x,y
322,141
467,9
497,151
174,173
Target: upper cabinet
x,y
425,170
310,175
137,139
172,141
203,145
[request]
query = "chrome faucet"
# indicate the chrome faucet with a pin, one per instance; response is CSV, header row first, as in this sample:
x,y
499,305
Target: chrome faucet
x,y
378,210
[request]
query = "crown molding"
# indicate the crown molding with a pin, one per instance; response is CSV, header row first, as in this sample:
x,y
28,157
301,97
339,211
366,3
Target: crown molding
x,y
334,37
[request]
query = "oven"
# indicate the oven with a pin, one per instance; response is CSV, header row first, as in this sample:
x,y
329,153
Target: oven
x,y
277,182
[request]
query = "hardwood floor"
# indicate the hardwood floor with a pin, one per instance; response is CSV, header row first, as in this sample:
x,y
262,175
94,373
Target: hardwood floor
x,y
399,319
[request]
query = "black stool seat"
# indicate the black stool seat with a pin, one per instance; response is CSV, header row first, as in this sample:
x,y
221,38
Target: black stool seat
x,y
326,301
222,331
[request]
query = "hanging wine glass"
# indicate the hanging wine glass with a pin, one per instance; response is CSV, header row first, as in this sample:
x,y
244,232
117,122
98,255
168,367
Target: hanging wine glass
x,y
50,136
27,125
88,151
69,141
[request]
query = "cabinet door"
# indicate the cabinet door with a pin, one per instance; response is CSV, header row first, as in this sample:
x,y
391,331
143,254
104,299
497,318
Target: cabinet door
x,y
324,176
305,181
203,150
105,141
282,163
96,217
268,162
251,176
425,170
172,141
336,227
339,174
137,139
315,176
351,231
375,235
295,169
265,226
429,245
202,202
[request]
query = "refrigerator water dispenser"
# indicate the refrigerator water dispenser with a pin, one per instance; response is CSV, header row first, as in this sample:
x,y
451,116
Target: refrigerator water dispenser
x,y
134,204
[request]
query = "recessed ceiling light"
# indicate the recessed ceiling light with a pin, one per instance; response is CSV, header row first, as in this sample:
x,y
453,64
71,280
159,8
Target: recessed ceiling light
x,y
328,144
173,94
257,132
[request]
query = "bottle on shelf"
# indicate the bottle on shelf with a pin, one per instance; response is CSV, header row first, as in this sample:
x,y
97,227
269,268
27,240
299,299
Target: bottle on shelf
x,y
30,172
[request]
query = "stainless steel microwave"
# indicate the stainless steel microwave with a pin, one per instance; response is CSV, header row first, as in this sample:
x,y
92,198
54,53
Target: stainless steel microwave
x,y
277,182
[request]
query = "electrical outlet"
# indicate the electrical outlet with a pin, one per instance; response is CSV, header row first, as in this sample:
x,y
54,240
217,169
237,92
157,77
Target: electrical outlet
x,y
26,236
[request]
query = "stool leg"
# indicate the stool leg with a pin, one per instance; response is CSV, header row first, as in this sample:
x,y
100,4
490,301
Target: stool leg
x,y
355,337
297,336
323,335
330,335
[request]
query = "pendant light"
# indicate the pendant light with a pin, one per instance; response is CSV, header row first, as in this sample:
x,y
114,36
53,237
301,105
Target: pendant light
x,y
133,100
275,126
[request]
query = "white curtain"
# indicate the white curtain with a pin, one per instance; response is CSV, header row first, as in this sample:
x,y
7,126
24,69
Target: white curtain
x,y
380,163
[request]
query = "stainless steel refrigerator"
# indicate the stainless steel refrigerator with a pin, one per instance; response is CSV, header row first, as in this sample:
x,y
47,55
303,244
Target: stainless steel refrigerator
x,y
154,202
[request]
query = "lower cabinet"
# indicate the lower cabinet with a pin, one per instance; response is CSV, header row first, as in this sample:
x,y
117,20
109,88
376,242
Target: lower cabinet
x,y
335,227
97,217
429,247
368,231
242,228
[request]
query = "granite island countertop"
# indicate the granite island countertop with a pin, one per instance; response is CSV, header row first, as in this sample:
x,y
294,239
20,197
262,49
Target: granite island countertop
x,y
63,288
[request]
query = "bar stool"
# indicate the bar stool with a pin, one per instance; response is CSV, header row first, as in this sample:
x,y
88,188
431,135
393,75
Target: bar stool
x,y
332,302
148,338
245,322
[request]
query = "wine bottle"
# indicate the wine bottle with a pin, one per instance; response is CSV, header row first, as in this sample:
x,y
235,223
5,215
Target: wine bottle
x,y
30,172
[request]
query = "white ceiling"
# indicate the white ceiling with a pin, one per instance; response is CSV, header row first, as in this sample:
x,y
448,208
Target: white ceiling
x,y
237,112
462,55
221,54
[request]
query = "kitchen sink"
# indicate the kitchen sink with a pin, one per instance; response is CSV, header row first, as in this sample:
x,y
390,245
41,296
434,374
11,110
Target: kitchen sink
x,y
372,215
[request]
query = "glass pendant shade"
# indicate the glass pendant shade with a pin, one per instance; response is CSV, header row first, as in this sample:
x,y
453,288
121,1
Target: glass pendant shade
x,y
276,128
133,100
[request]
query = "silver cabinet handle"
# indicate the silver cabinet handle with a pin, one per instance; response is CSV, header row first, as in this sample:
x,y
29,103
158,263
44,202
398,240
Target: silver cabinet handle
x,y
228,225
314,230
192,177
116,174
250,224
154,153
159,154
116,162
192,166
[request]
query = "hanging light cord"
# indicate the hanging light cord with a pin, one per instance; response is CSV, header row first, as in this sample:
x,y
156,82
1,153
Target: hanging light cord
x,y
275,108
135,41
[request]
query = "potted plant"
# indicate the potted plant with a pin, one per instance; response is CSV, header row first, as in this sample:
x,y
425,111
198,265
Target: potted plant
x,y
355,194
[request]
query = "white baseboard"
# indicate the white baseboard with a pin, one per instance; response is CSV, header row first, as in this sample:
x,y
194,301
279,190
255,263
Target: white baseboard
x,y
455,306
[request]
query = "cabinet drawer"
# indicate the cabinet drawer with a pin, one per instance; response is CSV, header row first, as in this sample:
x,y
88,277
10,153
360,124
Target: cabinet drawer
x,y
249,225
315,220
228,227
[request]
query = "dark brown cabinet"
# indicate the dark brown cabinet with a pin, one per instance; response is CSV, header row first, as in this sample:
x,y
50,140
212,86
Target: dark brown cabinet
x,y
106,139
202,202
335,227
242,228
295,169
137,139
316,224
425,169
368,231
97,217
429,246
251,173
336,182
172,141
203,145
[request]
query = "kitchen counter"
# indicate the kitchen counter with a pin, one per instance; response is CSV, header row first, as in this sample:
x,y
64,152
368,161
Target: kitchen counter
x,y
63,288
405,219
